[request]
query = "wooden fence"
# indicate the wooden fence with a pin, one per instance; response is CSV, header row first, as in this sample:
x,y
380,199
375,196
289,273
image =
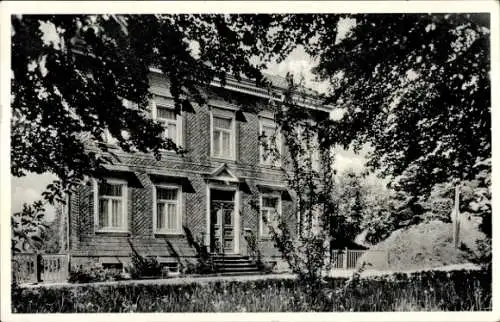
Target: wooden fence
x,y
32,268
55,267
349,259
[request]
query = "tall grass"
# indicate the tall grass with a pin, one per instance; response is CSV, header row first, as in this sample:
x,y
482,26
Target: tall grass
x,y
426,291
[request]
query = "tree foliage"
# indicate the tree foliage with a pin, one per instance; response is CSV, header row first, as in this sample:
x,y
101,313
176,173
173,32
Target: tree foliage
x,y
89,75
306,246
79,79
417,89
28,228
350,198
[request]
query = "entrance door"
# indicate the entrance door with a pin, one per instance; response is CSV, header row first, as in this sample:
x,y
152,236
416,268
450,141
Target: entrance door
x,y
222,222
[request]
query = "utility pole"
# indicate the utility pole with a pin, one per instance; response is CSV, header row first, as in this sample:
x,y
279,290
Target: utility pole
x,y
456,218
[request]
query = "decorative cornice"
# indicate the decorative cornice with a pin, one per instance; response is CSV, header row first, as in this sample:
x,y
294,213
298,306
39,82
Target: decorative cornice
x,y
245,86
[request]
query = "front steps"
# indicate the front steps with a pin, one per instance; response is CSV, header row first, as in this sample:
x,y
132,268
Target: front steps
x,y
235,265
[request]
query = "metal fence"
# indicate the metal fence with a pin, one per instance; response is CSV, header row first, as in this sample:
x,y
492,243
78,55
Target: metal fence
x,y
32,268
350,259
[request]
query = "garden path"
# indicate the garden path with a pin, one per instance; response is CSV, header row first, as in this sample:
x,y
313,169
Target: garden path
x,y
242,278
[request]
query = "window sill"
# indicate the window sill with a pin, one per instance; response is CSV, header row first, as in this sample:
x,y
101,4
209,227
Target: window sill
x,y
223,159
113,232
168,234
171,153
270,166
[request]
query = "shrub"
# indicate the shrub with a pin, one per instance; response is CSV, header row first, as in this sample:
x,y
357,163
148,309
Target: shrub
x,y
144,266
424,245
255,253
94,273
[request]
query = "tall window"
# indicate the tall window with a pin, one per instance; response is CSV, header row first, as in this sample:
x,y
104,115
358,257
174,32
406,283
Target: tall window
x,y
270,148
315,155
223,137
167,213
167,116
310,144
111,205
311,222
269,210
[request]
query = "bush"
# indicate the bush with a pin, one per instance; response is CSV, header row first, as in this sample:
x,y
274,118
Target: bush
x,y
93,273
144,266
447,291
424,245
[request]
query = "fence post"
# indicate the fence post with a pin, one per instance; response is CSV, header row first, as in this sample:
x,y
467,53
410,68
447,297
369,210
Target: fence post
x,y
68,266
345,258
456,217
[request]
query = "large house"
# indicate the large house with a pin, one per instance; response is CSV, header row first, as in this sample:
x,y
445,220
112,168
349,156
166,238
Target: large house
x,y
215,195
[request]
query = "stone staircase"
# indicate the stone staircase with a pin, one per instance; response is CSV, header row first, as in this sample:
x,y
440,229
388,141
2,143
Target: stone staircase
x,y
235,265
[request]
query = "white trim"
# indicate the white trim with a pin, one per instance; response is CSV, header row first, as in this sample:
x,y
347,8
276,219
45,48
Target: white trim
x,y
236,221
180,209
232,149
248,88
208,197
216,175
236,218
264,121
124,199
279,210
223,105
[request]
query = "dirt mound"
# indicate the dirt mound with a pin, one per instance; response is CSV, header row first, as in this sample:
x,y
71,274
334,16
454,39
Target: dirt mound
x,y
422,246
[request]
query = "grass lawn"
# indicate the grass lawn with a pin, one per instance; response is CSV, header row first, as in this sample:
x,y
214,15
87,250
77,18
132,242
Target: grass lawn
x,y
425,291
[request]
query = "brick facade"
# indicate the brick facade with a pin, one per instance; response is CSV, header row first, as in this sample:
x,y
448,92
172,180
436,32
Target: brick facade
x,y
191,170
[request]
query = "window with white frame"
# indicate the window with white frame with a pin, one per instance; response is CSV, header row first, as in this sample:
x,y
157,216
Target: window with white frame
x,y
311,222
111,205
164,112
315,155
108,137
168,209
270,208
223,136
270,148
310,143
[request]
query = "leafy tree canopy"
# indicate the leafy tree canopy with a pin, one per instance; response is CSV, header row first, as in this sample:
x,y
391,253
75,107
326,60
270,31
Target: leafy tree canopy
x,y
92,78
415,87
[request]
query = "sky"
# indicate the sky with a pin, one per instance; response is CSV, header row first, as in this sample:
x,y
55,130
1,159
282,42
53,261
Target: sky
x,y
29,188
